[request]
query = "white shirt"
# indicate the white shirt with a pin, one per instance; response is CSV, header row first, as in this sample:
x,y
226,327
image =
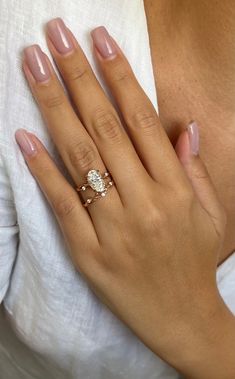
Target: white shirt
x,y
48,304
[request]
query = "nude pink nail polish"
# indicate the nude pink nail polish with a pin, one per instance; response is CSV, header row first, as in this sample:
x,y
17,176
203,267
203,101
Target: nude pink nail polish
x,y
58,33
37,63
103,42
193,133
25,142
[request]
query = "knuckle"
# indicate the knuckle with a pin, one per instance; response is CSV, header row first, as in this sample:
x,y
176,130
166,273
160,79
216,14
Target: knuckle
x,y
82,155
65,206
145,119
41,165
152,221
53,101
120,73
77,73
199,173
183,195
42,171
107,125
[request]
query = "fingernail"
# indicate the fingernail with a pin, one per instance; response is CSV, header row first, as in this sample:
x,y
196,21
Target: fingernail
x,y
103,42
59,36
37,63
25,142
193,133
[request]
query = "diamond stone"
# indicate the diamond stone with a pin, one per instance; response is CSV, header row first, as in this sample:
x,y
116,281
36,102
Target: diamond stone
x,y
95,180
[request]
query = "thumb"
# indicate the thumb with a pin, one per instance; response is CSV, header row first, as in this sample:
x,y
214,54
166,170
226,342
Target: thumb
x,y
187,150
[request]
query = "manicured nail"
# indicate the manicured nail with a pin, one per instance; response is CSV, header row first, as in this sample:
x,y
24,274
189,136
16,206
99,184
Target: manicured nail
x,y
193,133
37,63
103,42
59,36
25,142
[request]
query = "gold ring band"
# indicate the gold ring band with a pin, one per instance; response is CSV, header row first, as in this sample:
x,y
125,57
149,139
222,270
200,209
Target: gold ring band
x,y
98,183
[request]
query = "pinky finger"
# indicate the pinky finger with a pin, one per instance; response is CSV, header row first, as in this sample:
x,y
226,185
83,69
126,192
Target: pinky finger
x,y
73,218
187,149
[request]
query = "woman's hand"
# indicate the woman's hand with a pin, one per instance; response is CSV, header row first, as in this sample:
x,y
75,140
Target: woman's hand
x,y
150,247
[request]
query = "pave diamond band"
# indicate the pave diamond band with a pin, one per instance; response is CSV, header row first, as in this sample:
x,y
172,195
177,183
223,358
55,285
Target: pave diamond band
x,y
98,183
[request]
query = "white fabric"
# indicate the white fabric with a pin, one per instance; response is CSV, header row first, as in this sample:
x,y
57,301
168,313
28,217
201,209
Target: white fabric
x,y
48,303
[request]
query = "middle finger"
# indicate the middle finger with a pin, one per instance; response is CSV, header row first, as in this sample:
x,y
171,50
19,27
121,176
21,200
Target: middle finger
x,y
96,111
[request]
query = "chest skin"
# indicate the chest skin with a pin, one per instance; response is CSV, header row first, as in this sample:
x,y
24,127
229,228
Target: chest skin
x,y
195,80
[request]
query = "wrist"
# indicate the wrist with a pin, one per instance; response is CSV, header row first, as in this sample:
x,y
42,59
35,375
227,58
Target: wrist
x,y
206,347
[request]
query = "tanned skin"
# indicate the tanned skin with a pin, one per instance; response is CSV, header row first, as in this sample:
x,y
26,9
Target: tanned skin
x,y
193,45
165,237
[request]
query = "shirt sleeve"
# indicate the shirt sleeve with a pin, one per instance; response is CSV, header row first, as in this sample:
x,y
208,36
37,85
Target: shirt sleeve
x,y
8,230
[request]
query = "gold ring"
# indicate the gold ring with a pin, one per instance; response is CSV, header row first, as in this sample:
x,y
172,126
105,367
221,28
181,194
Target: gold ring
x,y
98,183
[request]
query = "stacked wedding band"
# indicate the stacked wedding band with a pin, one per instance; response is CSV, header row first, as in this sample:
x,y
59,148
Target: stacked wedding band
x,y
98,183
